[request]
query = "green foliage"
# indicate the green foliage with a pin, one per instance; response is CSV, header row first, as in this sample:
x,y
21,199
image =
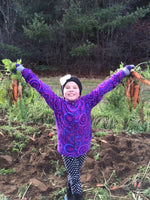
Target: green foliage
x,y
146,193
3,197
21,110
113,113
57,28
37,29
71,16
18,146
101,193
121,22
60,170
83,50
4,171
59,194
27,8
34,113
10,67
6,90
96,147
43,198
103,19
13,52
22,190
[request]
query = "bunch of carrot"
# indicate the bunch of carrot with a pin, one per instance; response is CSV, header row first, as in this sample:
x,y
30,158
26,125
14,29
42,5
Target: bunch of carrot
x,y
132,91
16,78
133,87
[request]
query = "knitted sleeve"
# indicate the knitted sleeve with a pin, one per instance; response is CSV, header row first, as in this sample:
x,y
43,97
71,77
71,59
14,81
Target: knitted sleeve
x,y
43,89
97,94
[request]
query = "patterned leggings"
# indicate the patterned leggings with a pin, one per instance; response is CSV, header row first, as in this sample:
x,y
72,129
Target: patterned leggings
x,y
73,166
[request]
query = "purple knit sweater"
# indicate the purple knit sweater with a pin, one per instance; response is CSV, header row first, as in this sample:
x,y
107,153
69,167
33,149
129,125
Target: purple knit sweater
x,y
73,121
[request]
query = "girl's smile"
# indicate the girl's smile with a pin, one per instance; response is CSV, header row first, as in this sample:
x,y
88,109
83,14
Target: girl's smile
x,y
71,91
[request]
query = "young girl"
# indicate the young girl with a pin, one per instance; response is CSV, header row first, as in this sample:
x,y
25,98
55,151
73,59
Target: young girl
x,y
72,116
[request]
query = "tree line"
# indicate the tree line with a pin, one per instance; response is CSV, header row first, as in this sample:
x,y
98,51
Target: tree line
x,y
82,36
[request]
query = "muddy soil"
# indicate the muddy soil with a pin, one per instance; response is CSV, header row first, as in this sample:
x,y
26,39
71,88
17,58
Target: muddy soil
x,y
113,160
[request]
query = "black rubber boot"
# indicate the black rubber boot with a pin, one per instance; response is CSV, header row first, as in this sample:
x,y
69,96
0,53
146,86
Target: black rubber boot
x,y
78,197
69,193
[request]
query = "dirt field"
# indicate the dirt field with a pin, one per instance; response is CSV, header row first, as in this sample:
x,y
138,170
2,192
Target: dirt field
x,y
118,160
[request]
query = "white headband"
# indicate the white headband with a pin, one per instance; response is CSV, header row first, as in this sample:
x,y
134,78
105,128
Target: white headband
x,y
64,79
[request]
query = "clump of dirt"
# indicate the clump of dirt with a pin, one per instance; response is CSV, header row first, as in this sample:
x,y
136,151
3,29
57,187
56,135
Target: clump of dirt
x,y
112,159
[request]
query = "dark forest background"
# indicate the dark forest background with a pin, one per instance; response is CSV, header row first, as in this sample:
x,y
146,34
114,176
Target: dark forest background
x,y
84,37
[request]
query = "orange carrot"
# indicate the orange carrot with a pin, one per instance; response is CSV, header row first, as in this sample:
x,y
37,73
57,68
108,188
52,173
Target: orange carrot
x,y
136,95
134,184
139,77
128,89
1,134
115,187
32,138
15,89
100,185
104,141
50,134
132,92
132,87
20,91
139,185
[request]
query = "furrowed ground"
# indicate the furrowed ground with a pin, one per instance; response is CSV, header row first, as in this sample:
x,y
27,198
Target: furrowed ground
x,y
118,162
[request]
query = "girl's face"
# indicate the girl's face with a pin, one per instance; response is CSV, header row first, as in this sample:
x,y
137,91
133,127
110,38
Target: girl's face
x,y
71,91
